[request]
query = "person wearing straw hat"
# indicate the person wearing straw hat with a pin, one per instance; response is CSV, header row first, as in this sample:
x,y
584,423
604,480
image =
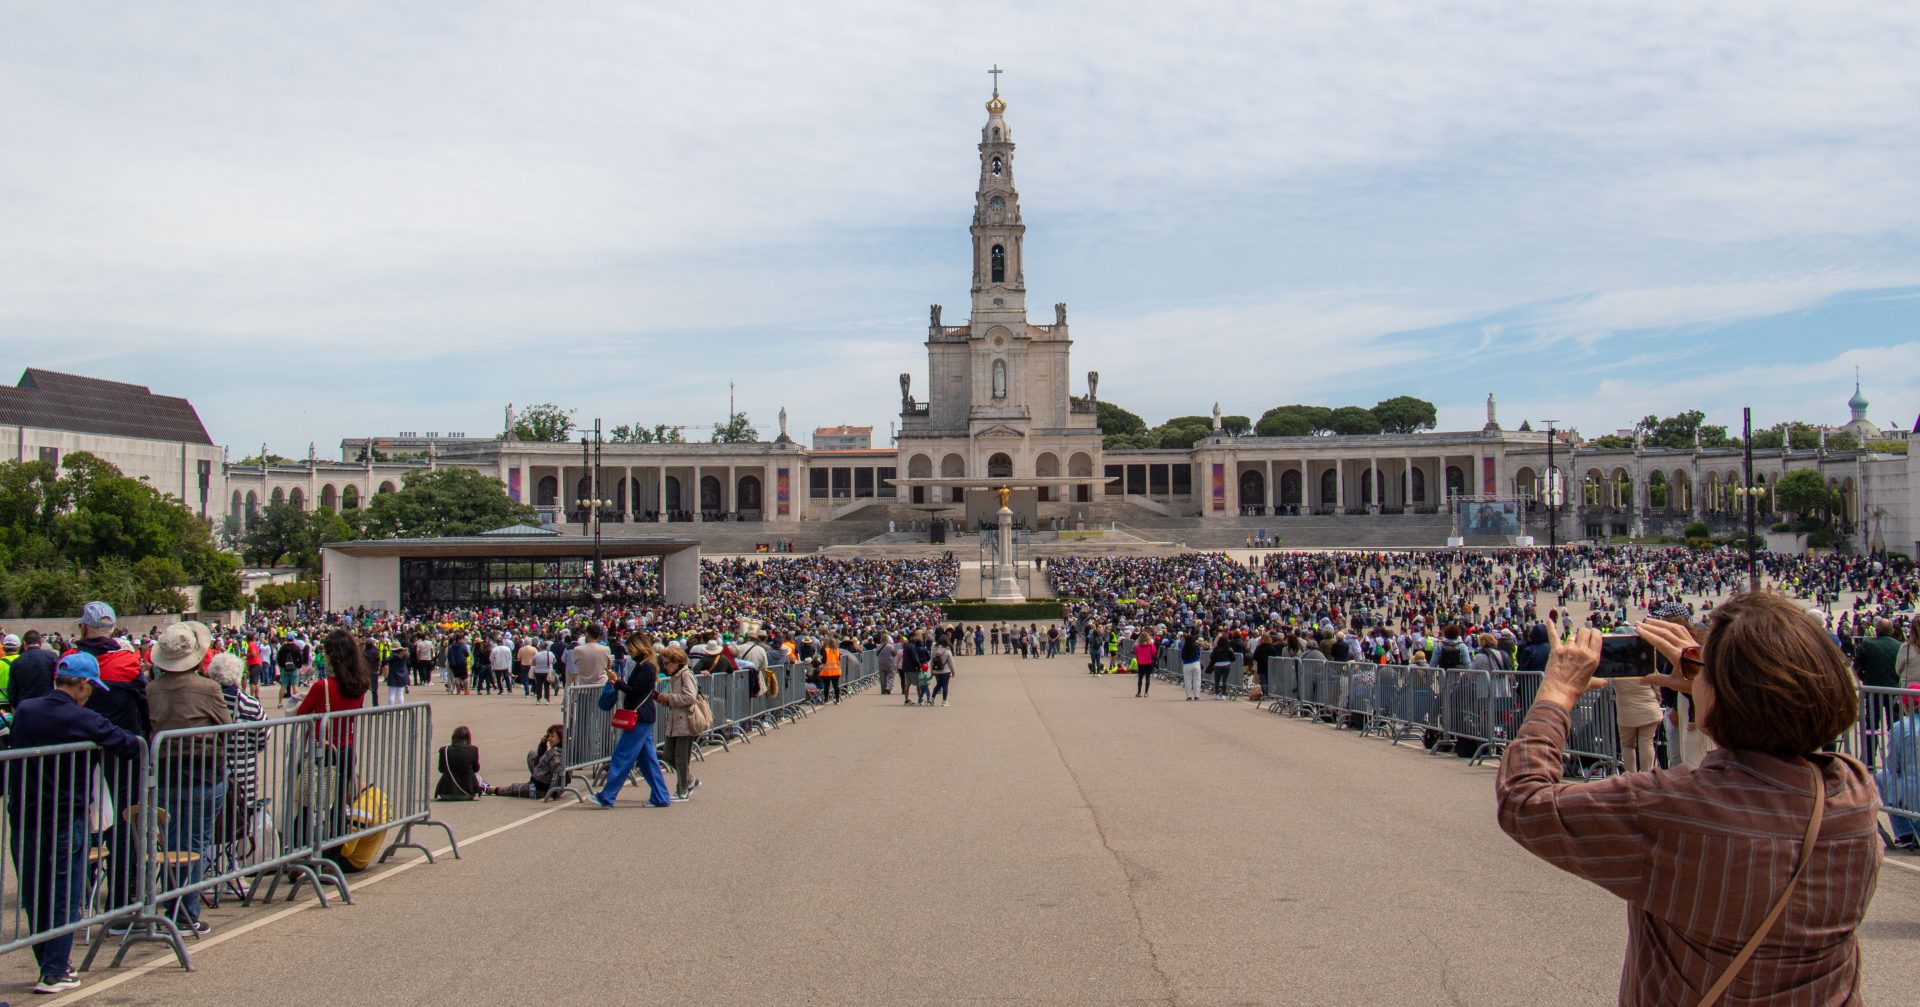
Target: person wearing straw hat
x,y
191,771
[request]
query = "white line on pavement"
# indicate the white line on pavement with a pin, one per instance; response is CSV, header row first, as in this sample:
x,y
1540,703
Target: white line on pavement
x,y
166,958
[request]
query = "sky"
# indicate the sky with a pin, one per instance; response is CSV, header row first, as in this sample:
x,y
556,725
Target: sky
x,y
320,221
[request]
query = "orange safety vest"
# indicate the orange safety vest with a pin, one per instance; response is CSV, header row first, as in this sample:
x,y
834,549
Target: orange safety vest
x,y
830,663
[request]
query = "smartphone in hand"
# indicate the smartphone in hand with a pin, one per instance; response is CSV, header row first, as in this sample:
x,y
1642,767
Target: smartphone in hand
x,y
1624,655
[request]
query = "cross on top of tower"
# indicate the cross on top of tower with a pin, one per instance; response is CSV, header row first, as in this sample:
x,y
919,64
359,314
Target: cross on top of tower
x,y
996,104
996,71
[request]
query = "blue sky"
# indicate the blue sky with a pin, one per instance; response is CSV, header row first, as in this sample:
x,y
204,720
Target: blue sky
x,y
320,221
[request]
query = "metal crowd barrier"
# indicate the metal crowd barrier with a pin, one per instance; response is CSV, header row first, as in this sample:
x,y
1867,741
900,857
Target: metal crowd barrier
x,y
200,814
586,745
1887,739
70,859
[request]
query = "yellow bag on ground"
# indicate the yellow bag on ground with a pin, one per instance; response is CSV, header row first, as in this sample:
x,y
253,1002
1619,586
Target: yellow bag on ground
x,y
370,808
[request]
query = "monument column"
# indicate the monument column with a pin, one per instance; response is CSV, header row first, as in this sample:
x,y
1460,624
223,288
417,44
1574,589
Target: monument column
x,y
1376,486
1307,491
660,495
1339,485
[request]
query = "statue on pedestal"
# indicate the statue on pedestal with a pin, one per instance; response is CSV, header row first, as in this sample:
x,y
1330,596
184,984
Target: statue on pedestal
x,y
783,423
1005,494
509,435
1216,417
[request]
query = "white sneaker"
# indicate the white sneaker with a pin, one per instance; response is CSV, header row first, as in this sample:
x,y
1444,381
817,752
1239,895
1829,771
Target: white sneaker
x,y
945,703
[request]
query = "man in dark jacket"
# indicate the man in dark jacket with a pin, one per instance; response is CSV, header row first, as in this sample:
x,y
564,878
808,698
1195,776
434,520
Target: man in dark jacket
x,y
1533,657
124,704
32,675
47,803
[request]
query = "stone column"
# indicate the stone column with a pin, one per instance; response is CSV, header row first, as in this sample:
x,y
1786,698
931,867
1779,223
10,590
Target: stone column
x,y
1376,486
1406,485
626,494
699,512
1339,485
660,495
1308,493
680,576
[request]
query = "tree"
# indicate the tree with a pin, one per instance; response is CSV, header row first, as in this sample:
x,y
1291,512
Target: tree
x,y
443,502
1677,432
1315,419
280,532
1182,431
634,433
1236,425
1805,436
737,430
87,530
1404,414
272,459
1611,442
1354,420
1276,423
1122,429
544,422
1805,492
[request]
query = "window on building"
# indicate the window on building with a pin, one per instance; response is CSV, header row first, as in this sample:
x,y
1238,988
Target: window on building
x,y
51,456
1114,473
817,483
886,487
1182,480
842,483
1157,480
996,167
862,483
1137,480
999,258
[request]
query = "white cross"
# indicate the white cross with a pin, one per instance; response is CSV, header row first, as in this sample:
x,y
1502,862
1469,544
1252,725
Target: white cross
x,y
996,71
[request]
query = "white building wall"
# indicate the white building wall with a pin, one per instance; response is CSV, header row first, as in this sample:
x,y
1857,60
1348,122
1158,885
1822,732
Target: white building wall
x,y
352,581
168,466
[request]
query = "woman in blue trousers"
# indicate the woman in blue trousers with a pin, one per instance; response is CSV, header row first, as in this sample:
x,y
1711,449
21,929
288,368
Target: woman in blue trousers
x,y
634,746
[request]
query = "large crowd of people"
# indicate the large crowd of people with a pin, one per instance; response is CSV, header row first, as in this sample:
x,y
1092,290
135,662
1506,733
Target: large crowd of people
x,y
116,685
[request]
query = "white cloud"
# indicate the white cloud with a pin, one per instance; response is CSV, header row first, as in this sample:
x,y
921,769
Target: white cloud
x,y
313,193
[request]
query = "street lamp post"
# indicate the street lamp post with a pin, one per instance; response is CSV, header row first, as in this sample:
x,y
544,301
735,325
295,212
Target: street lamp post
x,y
1553,496
590,460
1746,446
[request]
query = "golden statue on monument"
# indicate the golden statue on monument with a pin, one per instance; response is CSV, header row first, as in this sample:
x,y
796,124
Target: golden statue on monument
x,y
1005,495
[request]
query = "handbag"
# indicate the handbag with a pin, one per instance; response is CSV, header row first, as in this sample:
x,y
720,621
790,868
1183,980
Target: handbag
x,y
99,802
700,716
1739,962
626,720
609,695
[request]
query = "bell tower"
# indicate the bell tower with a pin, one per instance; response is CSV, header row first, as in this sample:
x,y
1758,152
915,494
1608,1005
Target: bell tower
x,y
999,280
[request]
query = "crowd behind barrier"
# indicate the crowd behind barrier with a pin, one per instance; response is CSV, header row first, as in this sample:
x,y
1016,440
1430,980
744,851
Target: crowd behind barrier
x,y
206,814
740,710
1474,713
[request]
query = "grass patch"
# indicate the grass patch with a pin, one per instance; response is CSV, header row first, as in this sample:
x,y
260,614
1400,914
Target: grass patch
x,y
980,611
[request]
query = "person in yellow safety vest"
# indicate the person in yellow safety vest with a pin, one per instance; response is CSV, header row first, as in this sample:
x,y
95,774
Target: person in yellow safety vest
x,y
829,670
11,647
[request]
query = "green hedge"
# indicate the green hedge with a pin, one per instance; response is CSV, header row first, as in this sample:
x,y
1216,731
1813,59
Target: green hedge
x,y
980,611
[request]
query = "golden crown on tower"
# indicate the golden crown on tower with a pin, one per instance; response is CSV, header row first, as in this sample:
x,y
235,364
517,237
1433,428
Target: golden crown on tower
x,y
996,105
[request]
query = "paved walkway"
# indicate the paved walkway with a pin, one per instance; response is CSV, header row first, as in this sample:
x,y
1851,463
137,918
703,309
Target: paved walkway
x,y
1047,840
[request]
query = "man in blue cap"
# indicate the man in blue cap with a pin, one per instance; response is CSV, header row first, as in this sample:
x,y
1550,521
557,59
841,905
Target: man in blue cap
x,y
47,802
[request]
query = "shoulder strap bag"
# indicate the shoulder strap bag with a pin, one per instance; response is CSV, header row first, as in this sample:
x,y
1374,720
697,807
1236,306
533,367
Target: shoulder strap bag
x,y
1740,960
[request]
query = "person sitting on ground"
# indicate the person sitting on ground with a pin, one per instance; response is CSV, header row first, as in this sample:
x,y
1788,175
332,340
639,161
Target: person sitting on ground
x,y
460,769
1767,814
546,768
